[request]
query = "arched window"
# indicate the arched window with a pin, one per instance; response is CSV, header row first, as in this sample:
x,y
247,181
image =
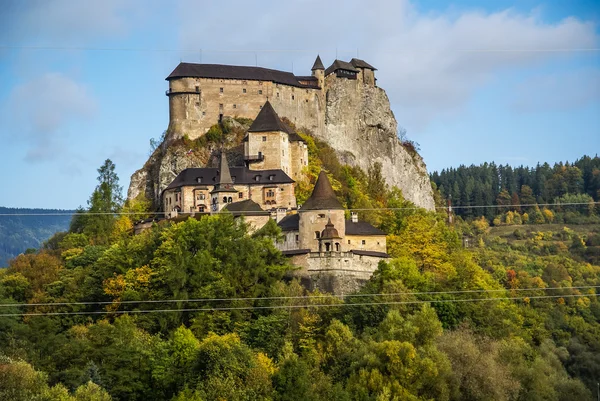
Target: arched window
x,y
224,199
337,246
229,200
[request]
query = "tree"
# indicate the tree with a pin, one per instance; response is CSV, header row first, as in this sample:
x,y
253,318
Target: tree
x,y
98,220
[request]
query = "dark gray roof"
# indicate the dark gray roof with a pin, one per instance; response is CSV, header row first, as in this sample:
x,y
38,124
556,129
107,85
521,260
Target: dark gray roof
x,y
318,65
225,176
291,222
295,252
184,70
295,137
361,228
245,207
322,197
370,253
268,120
243,175
340,65
358,63
306,78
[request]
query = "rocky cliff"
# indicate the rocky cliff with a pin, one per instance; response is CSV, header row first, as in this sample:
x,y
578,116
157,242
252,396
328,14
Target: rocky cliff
x,y
358,124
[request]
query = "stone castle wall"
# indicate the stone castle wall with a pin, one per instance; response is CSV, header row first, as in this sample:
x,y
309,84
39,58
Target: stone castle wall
x,y
337,273
195,104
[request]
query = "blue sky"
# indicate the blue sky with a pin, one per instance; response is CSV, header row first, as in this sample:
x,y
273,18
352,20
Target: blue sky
x,y
471,81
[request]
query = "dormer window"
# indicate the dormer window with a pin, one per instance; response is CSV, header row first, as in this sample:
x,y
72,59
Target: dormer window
x,y
257,178
233,178
198,180
271,177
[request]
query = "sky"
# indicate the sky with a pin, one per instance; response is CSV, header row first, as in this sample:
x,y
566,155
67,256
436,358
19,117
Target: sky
x,y
514,82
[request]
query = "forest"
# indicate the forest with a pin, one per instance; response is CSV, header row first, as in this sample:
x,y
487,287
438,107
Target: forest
x,y
570,191
204,309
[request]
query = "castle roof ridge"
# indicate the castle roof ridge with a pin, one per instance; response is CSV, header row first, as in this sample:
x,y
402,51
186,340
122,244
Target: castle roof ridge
x,y
322,197
268,120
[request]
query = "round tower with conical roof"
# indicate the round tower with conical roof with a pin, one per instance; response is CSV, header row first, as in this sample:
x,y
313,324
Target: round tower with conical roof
x,y
318,71
320,209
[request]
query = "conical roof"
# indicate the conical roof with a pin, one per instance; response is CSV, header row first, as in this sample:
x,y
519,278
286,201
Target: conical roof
x,y
224,182
323,197
318,65
268,120
224,173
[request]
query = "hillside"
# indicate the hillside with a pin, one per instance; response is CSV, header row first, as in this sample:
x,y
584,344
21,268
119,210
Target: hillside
x,y
18,233
202,309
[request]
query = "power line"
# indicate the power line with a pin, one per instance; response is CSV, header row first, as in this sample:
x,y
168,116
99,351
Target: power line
x,y
296,297
230,308
300,210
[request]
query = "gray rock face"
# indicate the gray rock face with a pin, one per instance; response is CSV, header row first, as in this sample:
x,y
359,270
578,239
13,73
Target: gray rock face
x,y
360,126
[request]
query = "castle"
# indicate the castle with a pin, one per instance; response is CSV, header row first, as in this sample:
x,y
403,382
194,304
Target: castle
x,y
334,254
201,94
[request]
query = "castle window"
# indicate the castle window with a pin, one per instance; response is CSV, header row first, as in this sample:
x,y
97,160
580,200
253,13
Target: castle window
x,y
277,94
201,208
240,195
221,106
220,90
224,199
244,90
257,178
199,180
364,242
203,113
317,234
197,88
297,238
197,104
292,97
233,178
229,200
235,106
264,138
260,91
321,216
271,177
348,242
306,100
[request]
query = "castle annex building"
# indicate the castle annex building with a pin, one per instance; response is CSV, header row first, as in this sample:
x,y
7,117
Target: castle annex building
x,y
201,94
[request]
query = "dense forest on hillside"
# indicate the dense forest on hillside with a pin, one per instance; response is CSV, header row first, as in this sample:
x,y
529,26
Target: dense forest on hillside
x,y
18,233
203,309
505,188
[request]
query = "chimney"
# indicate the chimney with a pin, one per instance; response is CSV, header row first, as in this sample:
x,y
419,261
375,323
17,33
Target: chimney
x,y
354,217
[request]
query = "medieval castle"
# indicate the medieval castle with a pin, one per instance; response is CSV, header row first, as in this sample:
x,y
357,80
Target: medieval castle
x,y
201,94
334,254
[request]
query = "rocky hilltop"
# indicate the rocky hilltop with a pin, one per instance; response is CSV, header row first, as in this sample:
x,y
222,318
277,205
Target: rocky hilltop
x,y
360,126
355,119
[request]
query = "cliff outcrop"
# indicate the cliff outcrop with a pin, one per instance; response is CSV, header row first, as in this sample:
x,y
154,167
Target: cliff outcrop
x,y
360,126
357,122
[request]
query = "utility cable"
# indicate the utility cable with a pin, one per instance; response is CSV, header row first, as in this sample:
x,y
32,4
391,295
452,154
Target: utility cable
x,y
305,297
231,308
300,210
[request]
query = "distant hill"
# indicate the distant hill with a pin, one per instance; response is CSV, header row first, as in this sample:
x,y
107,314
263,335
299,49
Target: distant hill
x,y
28,228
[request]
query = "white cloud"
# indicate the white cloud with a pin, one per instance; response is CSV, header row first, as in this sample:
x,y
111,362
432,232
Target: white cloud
x,y
42,110
68,22
430,64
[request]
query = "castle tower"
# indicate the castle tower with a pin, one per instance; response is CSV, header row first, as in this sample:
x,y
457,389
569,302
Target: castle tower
x,y
321,209
318,71
270,144
223,192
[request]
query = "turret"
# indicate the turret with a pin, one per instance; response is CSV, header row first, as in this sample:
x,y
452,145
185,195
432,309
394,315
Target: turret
x,y
318,71
223,192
